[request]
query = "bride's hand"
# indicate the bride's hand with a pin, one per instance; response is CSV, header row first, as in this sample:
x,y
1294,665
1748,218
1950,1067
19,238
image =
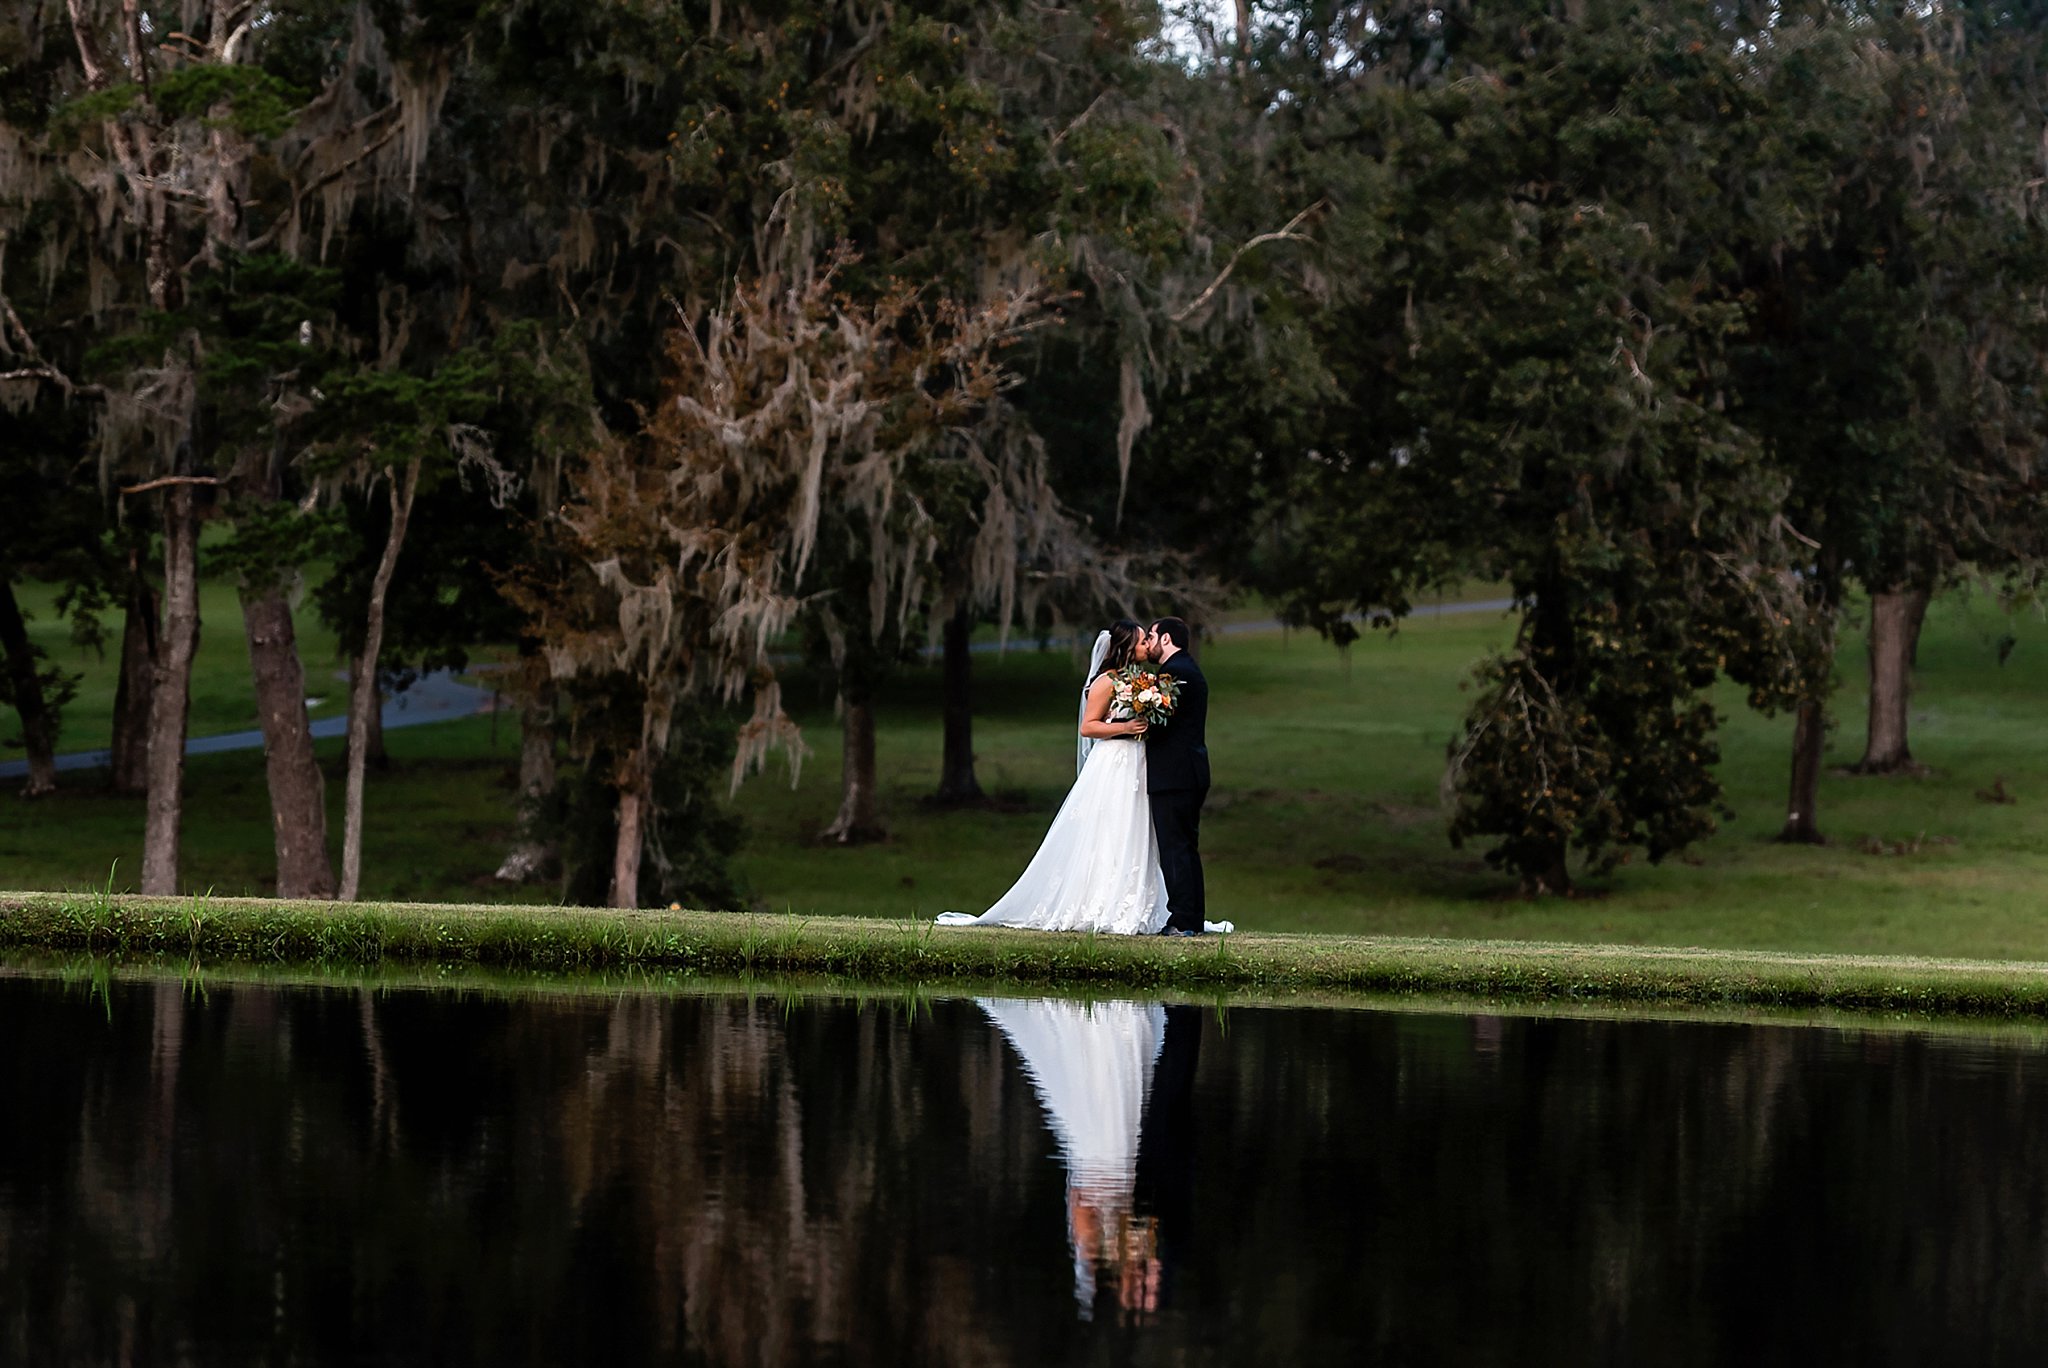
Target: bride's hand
x,y
1134,728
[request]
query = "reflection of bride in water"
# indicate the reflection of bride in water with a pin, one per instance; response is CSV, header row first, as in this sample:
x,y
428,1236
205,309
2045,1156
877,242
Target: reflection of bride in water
x,y
1093,1066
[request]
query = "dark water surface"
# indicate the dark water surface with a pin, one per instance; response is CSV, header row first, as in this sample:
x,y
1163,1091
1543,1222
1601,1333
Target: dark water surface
x,y
277,1176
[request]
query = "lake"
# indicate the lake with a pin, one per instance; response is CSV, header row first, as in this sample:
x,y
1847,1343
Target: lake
x,y
243,1174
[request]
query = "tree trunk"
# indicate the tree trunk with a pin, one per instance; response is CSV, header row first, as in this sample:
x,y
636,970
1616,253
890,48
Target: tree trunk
x,y
531,855
171,693
298,793
25,684
626,852
128,770
375,754
1545,863
1553,880
1802,808
362,682
860,817
1895,618
956,770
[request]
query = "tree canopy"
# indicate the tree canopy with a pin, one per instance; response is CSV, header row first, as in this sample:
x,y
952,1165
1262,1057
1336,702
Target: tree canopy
x,y
642,338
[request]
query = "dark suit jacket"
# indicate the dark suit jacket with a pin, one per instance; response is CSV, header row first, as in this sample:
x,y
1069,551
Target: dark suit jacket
x,y
1177,755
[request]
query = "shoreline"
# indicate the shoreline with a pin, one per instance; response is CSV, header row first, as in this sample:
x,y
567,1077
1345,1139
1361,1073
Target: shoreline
x,y
95,972
201,931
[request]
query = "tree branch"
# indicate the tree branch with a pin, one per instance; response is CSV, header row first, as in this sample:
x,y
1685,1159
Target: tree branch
x,y
1285,234
166,480
57,378
89,57
234,21
270,234
1084,116
25,344
10,319
131,24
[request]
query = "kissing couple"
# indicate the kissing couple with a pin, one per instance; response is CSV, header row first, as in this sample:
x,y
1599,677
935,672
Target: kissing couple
x,y
1124,856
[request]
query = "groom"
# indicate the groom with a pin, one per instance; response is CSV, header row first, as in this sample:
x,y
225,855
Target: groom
x,y
1177,777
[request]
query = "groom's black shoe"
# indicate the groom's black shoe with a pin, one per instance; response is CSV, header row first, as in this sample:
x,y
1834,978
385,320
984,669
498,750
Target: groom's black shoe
x,y
1179,931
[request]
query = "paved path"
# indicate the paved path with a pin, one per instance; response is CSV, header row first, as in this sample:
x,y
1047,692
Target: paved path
x,y
437,697
1421,610
440,697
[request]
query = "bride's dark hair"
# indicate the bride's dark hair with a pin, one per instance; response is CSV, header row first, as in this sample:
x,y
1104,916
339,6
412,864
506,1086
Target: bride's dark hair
x,y
1123,644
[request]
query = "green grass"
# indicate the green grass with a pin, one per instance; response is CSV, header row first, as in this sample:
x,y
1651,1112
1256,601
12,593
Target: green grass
x,y
222,698
95,971
1325,818
434,827
203,930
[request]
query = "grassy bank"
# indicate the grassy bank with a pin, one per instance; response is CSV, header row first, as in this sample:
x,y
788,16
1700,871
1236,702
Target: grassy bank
x,y
552,938
1326,815
96,973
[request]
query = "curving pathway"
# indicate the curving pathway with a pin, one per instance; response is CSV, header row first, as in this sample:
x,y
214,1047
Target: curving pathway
x,y
1430,610
440,697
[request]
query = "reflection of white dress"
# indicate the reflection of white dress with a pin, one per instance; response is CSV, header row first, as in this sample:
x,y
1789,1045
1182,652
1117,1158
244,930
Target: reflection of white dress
x,y
1098,867
1091,1066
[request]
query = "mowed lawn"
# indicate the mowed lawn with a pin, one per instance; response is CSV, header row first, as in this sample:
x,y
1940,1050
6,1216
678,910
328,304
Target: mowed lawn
x,y
222,700
1326,815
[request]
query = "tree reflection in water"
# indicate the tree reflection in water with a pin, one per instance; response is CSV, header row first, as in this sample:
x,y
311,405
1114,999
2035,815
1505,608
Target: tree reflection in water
x,y
253,1175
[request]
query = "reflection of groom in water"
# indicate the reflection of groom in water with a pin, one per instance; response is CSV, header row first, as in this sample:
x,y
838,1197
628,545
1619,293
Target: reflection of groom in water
x,y
1116,1082
1164,1193
1177,777
1142,1235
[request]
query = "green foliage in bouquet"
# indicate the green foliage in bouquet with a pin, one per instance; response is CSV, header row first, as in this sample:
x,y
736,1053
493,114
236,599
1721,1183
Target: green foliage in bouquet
x,y
1145,695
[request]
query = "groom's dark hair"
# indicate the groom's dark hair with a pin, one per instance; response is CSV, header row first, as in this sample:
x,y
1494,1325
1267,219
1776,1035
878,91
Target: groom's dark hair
x,y
1175,631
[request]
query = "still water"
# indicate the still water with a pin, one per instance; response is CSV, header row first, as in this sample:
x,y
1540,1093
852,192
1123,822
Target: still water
x,y
260,1175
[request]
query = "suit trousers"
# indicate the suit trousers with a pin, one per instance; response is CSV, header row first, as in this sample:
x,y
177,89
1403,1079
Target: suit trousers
x,y
1177,823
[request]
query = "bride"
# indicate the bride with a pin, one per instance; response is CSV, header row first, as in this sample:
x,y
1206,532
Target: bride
x,y
1098,867
1093,1066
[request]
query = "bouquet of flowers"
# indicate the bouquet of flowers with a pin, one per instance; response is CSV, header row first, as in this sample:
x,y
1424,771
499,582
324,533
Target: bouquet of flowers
x,y
1145,695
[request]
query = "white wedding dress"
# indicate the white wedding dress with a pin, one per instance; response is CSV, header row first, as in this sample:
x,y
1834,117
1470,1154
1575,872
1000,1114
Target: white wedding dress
x,y
1098,867
1091,1066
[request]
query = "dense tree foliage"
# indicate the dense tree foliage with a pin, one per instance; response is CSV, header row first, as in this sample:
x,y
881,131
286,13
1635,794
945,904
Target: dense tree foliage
x,y
1683,320
1578,249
